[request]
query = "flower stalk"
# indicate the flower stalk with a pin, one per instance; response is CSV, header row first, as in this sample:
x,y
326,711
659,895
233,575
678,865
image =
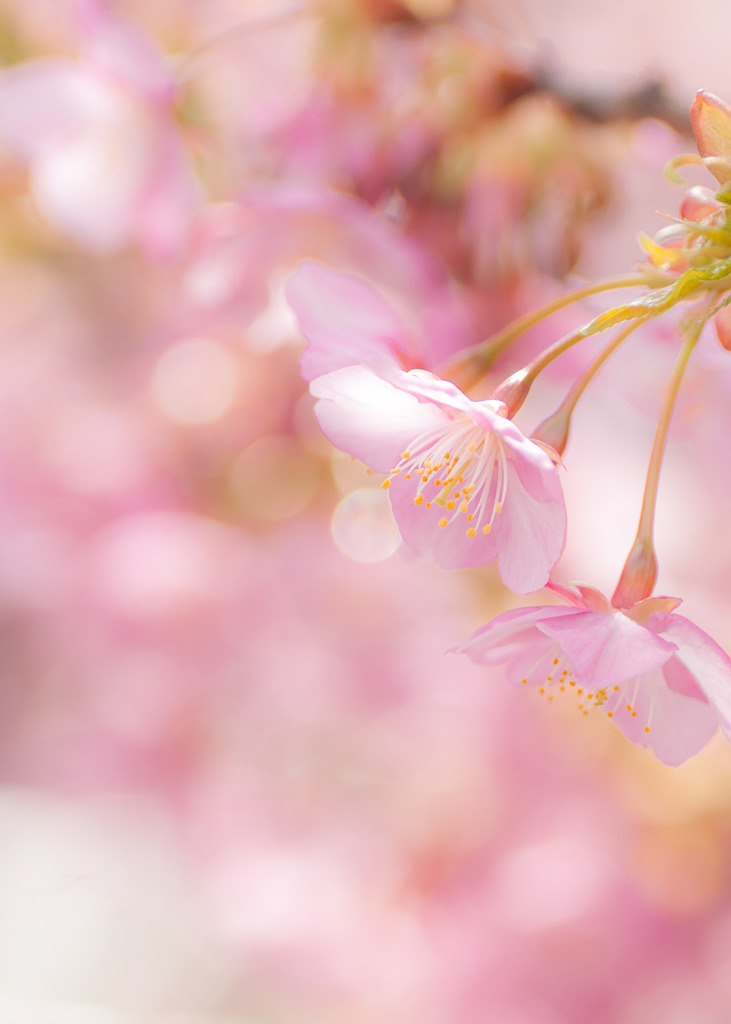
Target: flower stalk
x,y
637,579
554,430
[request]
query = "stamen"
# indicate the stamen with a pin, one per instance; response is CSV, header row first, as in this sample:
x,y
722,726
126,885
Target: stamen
x,y
476,489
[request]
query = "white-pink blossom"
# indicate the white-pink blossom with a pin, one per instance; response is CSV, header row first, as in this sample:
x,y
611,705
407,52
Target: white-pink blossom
x,y
465,483
657,675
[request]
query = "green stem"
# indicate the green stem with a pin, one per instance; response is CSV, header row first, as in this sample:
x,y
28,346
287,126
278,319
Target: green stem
x,y
484,355
514,390
638,576
554,430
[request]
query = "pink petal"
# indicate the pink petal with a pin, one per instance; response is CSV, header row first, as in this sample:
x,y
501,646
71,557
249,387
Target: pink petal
x,y
607,649
698,203
512,639
368,417
530,535
709,665
679,725
426,385
486,644
681,680
449,546
345,321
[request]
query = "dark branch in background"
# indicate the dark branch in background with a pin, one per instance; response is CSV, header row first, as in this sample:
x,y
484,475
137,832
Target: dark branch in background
x,y
529,75
649,99
600,106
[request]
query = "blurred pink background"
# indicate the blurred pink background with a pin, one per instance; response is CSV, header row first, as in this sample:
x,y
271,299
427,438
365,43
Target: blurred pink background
x,y
240,778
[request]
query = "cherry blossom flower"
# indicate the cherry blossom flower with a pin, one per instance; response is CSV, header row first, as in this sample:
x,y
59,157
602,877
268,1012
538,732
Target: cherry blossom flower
x,y
107,164
660,678
465,483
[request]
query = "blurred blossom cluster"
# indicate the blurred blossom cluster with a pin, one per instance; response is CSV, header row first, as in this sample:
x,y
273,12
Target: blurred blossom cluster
x,y
243,776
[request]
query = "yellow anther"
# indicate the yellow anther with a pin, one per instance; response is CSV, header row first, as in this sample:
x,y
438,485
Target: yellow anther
x,y
405,455
418,499
472,532
555,661
541,690
463,506
443,522
610,714
634,714
486,528
450,505
469,518
498,506
524,680
428,505
647,728
549,679
386,483
424,479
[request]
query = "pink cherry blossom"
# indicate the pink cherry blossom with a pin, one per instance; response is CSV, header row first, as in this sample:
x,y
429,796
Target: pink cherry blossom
x,y
665,682
107,164
465,482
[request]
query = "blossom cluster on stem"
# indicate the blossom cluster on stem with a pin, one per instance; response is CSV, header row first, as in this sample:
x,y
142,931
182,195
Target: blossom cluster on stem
x,y
468,486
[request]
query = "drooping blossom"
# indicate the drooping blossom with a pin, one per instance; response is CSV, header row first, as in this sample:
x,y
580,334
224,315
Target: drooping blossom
x,y
465,483
660,678
107,164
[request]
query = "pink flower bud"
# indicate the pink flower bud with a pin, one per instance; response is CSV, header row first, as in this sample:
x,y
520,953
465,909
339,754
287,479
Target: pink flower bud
x,y
722,323
710,118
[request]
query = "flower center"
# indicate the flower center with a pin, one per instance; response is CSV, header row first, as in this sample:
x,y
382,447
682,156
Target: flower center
x,y
553,675
468,467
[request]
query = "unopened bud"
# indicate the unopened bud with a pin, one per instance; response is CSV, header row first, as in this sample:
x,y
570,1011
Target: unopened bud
x,y
722,323
710,118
